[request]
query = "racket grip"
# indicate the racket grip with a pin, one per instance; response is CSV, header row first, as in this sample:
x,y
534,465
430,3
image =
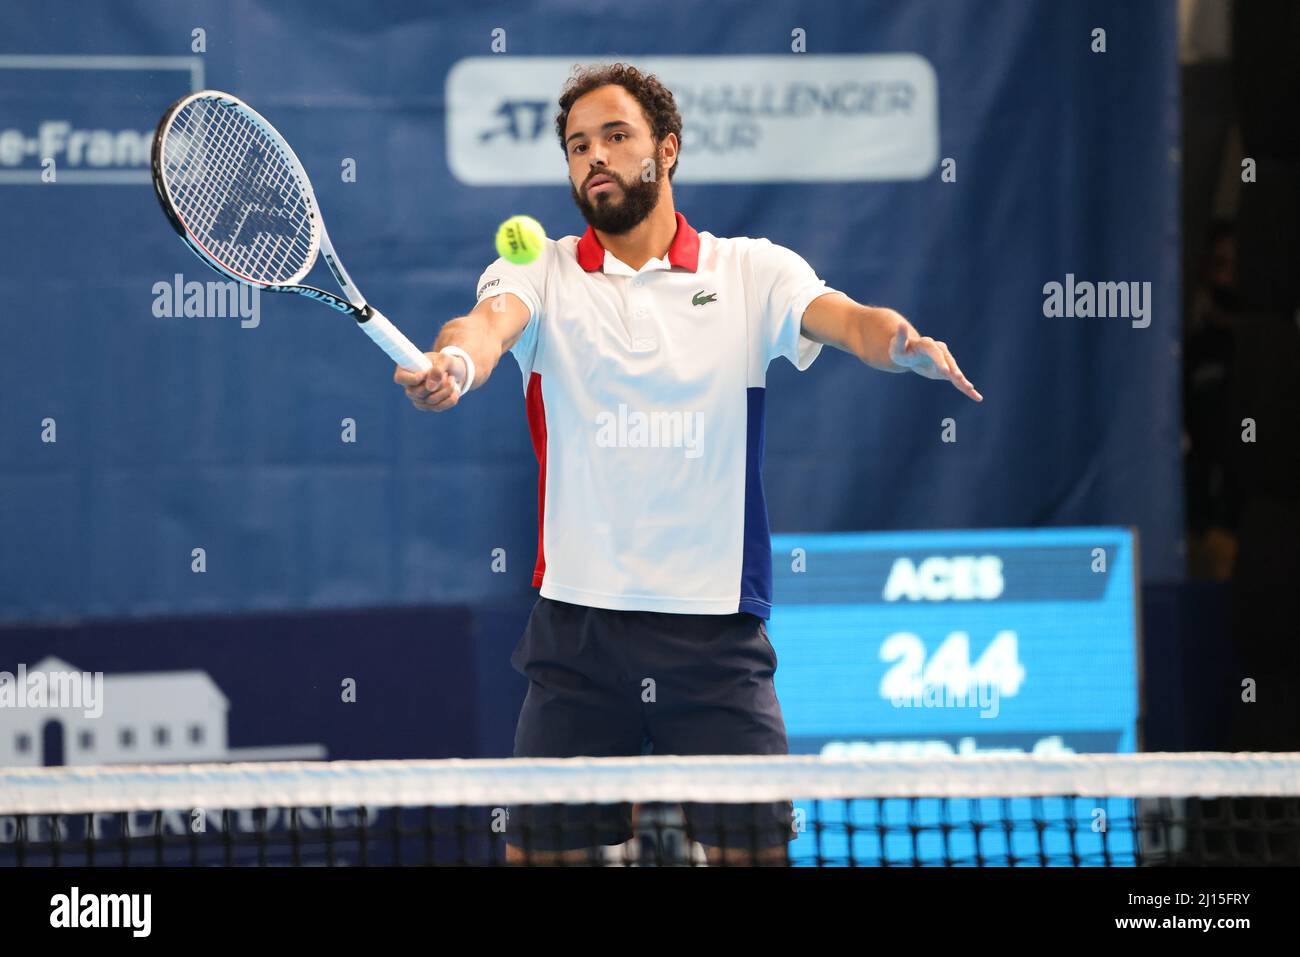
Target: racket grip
x,y
399,348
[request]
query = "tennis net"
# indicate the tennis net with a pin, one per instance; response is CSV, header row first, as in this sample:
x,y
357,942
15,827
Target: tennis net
x,y
979,810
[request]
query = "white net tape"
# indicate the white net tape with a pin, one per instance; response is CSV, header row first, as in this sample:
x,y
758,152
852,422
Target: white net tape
x,y
722,779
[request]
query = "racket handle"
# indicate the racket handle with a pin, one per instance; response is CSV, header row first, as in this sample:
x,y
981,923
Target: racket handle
x,y
399,348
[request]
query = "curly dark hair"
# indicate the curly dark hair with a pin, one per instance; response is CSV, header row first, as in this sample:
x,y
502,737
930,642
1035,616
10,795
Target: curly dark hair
x,y
656,100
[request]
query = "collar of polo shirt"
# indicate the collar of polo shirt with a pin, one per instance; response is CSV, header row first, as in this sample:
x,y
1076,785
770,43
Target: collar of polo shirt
x,y
684,252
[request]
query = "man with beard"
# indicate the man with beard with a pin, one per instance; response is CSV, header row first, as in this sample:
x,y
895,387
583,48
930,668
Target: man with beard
x,y
644,346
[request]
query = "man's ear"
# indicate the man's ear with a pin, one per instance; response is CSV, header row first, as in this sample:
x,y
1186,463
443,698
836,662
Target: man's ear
x,y
676,144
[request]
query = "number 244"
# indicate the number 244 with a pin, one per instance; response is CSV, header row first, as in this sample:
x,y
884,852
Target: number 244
x,y
950,666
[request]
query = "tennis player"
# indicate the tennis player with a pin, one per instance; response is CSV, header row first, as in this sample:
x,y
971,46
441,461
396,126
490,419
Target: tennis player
x,y
644,346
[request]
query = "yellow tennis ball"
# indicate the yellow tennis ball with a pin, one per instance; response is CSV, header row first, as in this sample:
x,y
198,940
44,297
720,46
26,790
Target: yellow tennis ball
x,y
521,239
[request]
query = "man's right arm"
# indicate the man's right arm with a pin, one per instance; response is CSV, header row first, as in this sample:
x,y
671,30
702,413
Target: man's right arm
x,y
486,333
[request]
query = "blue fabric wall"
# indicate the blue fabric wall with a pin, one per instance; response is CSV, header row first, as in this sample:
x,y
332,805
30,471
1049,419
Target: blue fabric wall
x,y
182,433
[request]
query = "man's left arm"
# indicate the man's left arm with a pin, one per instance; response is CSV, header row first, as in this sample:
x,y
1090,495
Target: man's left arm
x,y
882,339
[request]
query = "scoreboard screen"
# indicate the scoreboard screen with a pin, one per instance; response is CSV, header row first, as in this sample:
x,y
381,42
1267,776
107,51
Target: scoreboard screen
x,y
945,643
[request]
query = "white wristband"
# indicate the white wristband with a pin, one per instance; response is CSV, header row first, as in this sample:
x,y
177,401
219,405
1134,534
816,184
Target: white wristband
x,y
469,364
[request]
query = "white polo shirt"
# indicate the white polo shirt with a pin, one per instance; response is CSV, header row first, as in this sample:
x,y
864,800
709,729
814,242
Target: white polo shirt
x,y
645,399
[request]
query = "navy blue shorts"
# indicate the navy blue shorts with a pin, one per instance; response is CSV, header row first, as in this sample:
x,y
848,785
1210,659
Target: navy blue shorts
x,y
713,694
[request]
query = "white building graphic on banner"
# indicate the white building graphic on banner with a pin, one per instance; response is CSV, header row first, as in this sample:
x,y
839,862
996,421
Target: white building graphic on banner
x,y
157,717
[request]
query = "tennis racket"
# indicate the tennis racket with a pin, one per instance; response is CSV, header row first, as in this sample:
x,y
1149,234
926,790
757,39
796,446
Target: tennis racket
x,y
236,193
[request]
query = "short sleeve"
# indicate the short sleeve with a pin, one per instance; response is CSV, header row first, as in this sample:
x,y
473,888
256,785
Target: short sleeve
x,y
528,282
785,284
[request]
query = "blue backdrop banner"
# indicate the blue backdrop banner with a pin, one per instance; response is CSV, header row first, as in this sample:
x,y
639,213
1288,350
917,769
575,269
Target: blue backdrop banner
x,y
1003,173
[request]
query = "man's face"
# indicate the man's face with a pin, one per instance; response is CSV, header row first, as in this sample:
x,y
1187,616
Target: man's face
x,y
614,167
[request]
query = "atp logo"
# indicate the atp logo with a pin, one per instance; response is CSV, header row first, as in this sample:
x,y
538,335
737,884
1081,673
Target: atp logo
x,y
520,121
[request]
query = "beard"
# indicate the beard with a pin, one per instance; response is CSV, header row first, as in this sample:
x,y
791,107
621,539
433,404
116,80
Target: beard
x,y
639,200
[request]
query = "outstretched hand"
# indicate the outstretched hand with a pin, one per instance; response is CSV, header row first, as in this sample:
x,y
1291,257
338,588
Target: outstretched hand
x,y
930,358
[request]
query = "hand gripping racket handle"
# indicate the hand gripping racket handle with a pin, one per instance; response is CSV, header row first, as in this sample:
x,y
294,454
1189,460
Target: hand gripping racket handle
x,y
389,338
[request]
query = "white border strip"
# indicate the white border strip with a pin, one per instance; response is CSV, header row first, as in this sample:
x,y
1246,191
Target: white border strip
x,y
73,177
74,61
456,782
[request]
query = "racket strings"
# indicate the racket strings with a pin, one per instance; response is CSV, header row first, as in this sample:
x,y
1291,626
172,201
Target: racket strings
x,y
238,194
252,215
251,197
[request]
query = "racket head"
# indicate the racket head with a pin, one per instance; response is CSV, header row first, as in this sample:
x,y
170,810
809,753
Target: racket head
x,y
235,191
